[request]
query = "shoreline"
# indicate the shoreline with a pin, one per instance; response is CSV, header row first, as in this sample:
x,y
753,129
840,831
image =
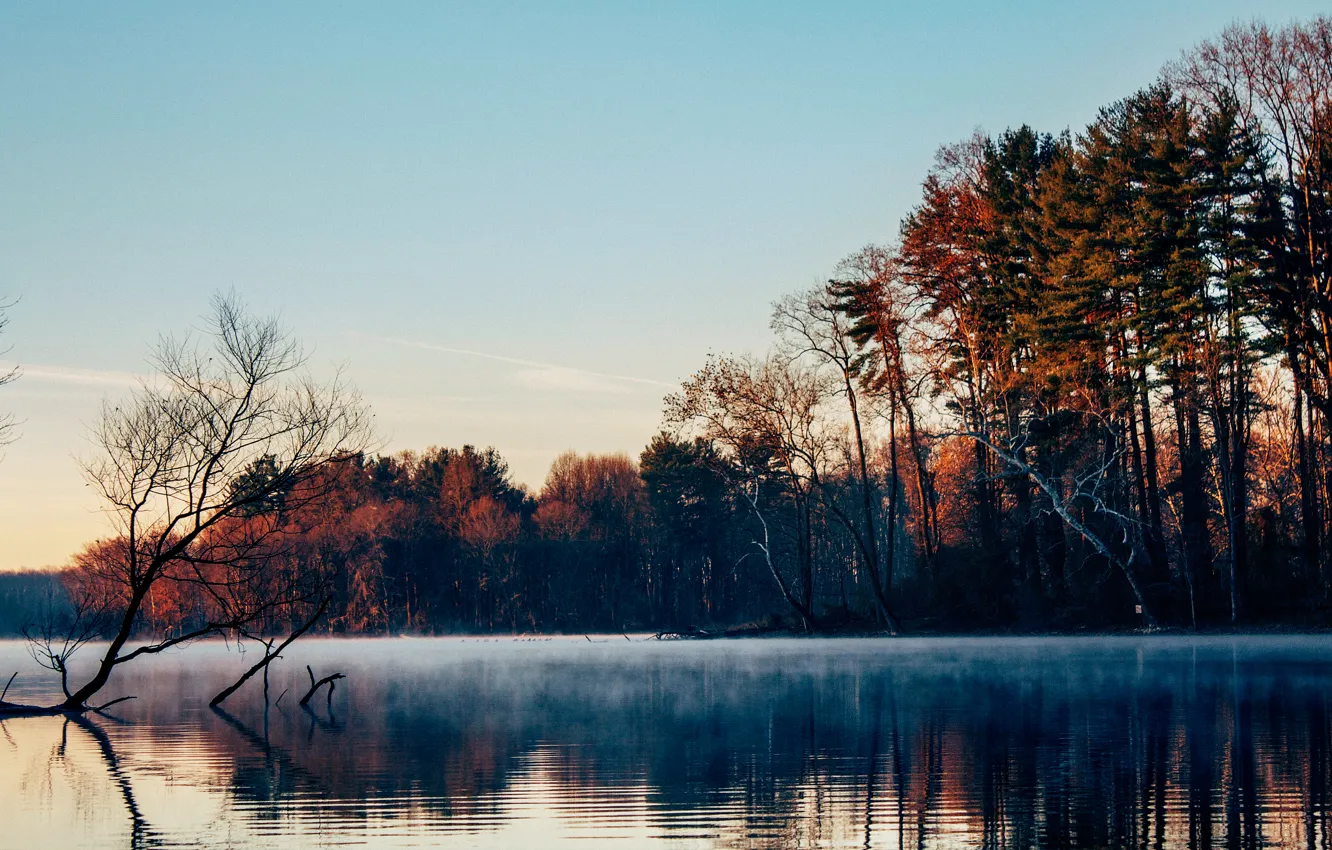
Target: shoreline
x,y
779,634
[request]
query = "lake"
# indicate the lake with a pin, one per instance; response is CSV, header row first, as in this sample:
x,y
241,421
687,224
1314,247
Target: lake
x,y
930,742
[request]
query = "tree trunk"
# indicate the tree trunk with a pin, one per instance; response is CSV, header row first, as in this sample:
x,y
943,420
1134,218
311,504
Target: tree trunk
x,y
1155,530
1309,517
1193,513
870,547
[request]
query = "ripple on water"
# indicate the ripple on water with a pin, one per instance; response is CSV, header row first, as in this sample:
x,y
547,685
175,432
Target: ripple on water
x,y
933,743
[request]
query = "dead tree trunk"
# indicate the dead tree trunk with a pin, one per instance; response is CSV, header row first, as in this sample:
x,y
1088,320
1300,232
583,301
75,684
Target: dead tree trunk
x,y
1062,507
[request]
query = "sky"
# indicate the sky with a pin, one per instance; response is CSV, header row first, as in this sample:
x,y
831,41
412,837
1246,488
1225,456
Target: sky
x,y
515,225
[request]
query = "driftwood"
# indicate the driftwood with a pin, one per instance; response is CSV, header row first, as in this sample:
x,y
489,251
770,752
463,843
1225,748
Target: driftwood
x,y
679,634
743,630
315,686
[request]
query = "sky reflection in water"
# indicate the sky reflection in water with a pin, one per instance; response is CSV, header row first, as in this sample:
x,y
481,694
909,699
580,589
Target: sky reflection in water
x,y
1164,742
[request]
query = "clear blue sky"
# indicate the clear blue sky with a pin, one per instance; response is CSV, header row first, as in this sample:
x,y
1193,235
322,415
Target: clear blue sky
x,y
593,191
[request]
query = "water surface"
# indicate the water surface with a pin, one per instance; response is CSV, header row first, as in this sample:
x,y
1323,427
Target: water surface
x,y
1052,742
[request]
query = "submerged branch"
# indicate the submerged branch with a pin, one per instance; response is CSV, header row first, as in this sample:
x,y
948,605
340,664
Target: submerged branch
x,y
104,706
315,686
270,655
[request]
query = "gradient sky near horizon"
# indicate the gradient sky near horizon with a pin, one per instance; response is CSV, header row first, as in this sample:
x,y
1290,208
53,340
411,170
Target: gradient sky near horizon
x,y
517,224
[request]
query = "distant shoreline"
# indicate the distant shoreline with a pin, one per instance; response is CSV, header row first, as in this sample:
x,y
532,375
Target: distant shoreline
x,y
784,634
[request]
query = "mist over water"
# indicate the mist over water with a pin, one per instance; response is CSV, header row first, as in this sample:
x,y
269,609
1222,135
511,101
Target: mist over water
x,y
1046,742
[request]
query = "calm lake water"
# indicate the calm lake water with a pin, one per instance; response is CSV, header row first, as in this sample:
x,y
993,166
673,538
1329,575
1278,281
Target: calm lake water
x,y
1155,742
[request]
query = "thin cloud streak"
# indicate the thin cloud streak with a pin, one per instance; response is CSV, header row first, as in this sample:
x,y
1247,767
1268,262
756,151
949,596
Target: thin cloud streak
x,y
40,373
530,364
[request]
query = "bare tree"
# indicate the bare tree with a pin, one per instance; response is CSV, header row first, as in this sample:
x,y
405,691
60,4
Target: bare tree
x,y
813,328
767,418
1277,80
63,626
201,470
880,309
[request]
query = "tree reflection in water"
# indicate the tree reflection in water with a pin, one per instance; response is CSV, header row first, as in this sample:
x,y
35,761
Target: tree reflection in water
x,y
140,833
1160,743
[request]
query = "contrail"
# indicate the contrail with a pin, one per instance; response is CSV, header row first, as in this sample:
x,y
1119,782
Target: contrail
x,y
518,361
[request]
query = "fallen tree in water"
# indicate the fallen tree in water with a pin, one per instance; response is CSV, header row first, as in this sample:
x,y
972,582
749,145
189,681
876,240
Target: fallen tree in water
x,y
206,470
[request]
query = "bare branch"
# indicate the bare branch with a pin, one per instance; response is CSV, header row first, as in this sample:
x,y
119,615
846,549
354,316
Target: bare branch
x,y
270,655
327,680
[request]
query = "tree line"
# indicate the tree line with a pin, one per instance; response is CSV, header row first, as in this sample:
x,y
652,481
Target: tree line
x,y
1089,385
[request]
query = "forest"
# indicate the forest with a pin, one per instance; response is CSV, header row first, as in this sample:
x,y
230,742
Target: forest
x,y
1088,386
